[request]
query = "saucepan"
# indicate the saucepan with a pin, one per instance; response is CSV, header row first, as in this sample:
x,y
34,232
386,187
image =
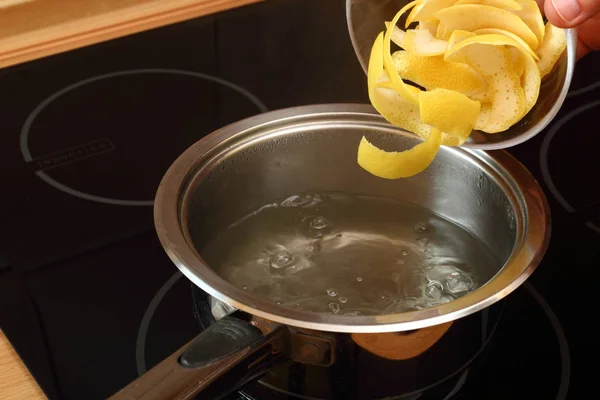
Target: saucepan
x,y
313,149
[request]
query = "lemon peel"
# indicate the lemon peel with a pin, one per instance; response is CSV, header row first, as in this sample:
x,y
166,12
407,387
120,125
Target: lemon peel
x,y
422,42
393,107
429,24
504,4
455,38
399,164
517,61
470,17
510,99
425,9
449,111
484,116
458,36
435,72
506,93
511,35
554,44
397,36
399,85
478,65
531,15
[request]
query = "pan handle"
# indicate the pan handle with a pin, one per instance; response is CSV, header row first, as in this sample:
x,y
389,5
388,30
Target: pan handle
x,y
229,345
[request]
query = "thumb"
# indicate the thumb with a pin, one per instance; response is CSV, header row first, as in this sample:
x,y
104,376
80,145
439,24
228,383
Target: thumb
x,y
570,13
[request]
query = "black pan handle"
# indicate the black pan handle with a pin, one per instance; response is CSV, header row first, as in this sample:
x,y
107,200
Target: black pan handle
x,y
229,345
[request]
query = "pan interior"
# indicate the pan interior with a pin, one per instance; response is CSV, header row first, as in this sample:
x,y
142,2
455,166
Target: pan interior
x,y
290,217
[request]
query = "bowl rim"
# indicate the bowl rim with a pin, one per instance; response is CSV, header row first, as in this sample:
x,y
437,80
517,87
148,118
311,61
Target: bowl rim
x,y
531,210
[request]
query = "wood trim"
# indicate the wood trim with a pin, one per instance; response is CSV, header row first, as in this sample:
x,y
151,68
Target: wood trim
x,y
16,383
31,29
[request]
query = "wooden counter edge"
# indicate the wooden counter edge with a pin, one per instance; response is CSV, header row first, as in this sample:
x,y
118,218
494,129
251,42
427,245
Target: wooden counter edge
x,y
71,35
16,382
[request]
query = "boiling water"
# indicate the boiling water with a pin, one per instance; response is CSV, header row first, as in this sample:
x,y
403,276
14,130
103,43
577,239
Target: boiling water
x,y
350,255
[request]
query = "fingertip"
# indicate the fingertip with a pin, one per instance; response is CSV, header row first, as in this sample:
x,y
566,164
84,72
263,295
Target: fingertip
x,y
554,17
540,4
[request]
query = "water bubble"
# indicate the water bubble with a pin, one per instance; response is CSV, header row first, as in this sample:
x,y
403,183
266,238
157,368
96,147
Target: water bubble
x,y
404,252
342,299
301,201
395,277
400,262
382,297
359,279
334,307
281,259
331,292
423,241
434,289
319,223
352,313
244,287
420,227
339,236
458,282
316,227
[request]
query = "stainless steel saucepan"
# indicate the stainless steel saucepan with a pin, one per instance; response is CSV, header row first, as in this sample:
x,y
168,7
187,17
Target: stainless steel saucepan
x,y
243,166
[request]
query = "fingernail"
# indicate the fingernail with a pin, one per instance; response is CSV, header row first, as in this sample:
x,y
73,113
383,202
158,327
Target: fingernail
x,y
567,9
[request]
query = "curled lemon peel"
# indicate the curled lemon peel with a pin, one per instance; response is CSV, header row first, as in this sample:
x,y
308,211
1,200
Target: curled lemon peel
x,y
399,85
393,107
399,164
421,42
426,9
517,60
504,4
397,36
531,15
449,111
553,46
430,24
470,17
478,65
489,55
521,42
435,72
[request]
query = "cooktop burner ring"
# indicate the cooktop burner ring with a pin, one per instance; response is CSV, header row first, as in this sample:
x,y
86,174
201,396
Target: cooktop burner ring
x,y
583,90
26,128
140,343
564,352
544,164
563,344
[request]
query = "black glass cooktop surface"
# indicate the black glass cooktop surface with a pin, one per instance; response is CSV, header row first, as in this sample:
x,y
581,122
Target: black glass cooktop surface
x,y
88,297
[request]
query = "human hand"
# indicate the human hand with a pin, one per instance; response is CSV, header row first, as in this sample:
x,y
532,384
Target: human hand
x,y
581,14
